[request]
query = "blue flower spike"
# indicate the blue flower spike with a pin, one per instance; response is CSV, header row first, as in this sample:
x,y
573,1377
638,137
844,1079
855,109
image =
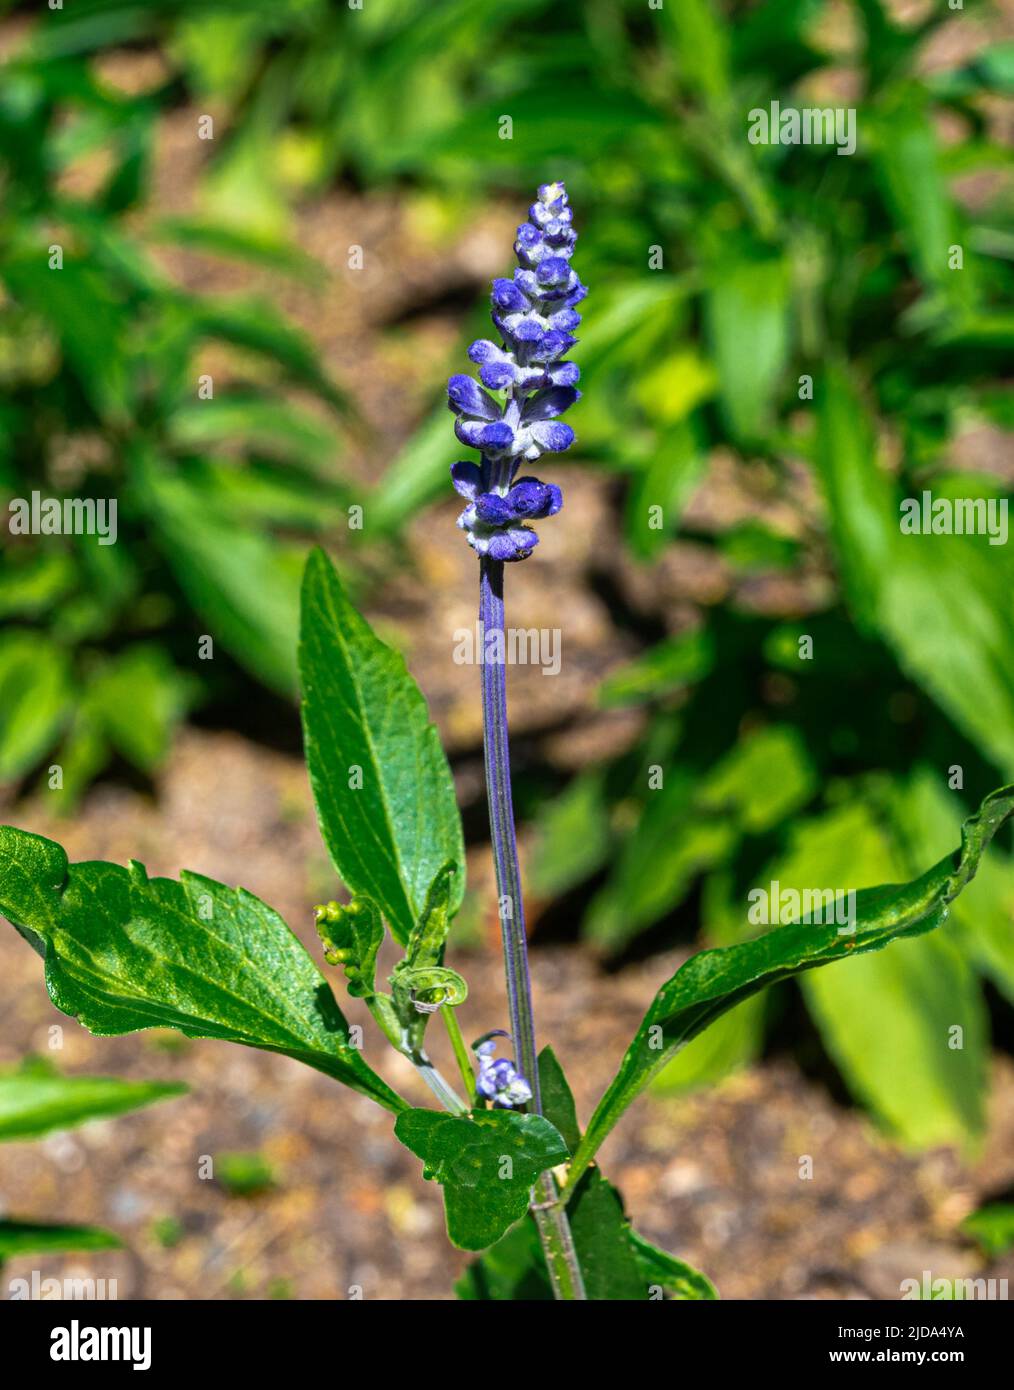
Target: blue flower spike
x,y
534,314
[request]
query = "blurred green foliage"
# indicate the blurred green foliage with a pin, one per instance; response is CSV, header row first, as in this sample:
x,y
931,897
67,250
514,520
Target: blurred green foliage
x,y
36,1100
797,312
105,395
992,1228
244,1174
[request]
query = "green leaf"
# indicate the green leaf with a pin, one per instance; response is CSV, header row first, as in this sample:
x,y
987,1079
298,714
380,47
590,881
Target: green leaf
x,y
89,318
730,1043
33,581
992,1226
712,982
907,162
416,475
557,1100
657,865
138,699
595,1211
670,665
258,327
924,813
608,1250
36,1099
748,322
429,935
668,479
263,424
511,1271
921,1087
762,780
617,1264
601,1234
941,602
35,696
124,952
486,1164
668,1274
243,585
421,981
31,1238
390,836
856,490
699,36
572,837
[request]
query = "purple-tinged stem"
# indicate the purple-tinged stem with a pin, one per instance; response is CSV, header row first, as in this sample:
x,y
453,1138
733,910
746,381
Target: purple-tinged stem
x,y
550,1214
501,823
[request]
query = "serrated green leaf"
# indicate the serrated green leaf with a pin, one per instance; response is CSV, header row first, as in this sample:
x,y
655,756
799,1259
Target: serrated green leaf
x,y
390,836
712,982
124,952
616,1263
486,1163
36,1099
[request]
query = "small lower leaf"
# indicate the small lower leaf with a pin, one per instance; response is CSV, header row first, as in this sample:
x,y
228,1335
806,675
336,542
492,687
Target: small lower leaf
x,y
611,1254
486,1163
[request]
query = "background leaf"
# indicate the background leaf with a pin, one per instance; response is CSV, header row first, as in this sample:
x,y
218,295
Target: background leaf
x,y
712,982
36,1099
33,1238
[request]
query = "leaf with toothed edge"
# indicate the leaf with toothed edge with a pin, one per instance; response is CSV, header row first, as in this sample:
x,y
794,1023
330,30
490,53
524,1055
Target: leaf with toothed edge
x,y
486,1163
125,952
616,1263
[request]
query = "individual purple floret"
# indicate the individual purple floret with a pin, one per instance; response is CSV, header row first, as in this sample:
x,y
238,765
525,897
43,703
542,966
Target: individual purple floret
x,y
499,1080
534,313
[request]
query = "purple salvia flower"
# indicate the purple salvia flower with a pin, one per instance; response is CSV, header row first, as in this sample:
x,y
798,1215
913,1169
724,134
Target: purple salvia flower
x,y
499,1079
534,316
